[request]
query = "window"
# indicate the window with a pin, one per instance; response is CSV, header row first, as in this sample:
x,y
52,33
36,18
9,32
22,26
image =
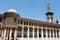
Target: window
x,y
20,22
30,23
35,32
47,17
35,24
19,33
25,23
25,32
51,18
30,32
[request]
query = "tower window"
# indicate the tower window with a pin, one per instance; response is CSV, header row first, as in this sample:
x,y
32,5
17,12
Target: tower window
x,y
51,18
48,18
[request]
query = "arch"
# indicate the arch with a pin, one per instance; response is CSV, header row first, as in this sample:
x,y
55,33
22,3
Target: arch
x,y
19,32
30,32
51,33
25,32
35,29
19,28
39,29
25,29
44,32
30,29
48,32
35,32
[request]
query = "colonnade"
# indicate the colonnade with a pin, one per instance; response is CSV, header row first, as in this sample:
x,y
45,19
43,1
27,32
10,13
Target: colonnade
x,y
52,33
45,32
6,34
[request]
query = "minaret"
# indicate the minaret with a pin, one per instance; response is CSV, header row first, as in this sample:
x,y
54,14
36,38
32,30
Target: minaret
x,y
49,14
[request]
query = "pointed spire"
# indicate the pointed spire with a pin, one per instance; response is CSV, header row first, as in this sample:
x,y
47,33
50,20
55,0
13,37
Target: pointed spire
x,y
48,8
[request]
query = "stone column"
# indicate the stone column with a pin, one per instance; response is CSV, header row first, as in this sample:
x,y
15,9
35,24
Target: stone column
x,y
46,34
42,32
38,33
10,34
56,33
33,33
4,34
15,34
59,33
22,32
42,36
28,33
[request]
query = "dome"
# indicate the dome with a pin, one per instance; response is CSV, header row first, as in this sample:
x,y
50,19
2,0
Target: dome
x,y
12,10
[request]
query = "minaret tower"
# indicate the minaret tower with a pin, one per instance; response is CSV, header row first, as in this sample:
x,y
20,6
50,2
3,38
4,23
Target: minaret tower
x,y
49,14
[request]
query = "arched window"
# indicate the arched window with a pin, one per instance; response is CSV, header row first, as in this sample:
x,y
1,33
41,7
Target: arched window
x,y
19,33
30,32
25,32
44,32
35,32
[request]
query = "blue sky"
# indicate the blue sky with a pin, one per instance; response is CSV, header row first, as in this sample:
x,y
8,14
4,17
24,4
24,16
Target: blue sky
x,y
32,9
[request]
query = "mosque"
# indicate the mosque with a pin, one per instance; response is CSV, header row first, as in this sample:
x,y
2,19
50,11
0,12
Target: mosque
x,y
14,27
